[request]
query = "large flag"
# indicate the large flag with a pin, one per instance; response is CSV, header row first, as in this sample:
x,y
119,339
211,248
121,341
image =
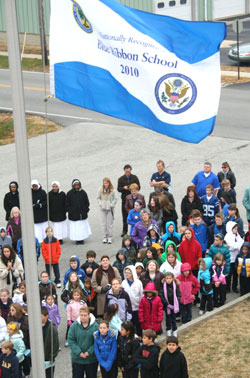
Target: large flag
x,y
156,71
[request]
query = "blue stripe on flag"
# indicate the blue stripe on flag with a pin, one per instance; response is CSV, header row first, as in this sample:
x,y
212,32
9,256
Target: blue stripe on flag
x,y
190,41
95,88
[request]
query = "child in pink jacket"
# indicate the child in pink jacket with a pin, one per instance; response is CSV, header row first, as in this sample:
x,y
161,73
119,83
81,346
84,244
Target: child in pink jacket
x,y
73,307
189,287
150,309
219,280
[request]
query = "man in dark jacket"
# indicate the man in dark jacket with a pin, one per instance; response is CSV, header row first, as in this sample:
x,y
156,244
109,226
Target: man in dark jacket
x,y
77,206
50,350
11,199
123,187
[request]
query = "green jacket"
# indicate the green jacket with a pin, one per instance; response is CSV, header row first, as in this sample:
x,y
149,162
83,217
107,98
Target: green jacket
x,y
50,352
164,255
82,340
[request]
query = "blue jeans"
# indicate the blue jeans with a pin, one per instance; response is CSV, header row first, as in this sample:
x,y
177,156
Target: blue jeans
x,y
186,312
171,321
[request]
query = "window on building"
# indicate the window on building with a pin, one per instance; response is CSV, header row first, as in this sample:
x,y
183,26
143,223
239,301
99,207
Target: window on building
x,y
183,2
172,3
160,5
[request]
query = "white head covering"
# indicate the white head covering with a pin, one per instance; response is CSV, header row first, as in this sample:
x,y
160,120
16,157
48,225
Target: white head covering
x,y
56,183
35,182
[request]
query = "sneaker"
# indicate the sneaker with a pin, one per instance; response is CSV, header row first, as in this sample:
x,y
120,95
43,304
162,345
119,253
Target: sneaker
x,y
123,233
66,344
169,332
201,312
59,285
175,333
105,240
109,240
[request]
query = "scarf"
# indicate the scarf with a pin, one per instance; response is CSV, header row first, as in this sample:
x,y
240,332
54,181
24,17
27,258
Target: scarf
x,y
99,274
174,307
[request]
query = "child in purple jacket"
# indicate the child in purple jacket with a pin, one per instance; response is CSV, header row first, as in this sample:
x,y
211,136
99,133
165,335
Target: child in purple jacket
x,y
53,310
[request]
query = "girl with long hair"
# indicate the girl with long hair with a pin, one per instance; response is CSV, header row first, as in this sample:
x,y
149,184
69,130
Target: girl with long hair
x,y
107,199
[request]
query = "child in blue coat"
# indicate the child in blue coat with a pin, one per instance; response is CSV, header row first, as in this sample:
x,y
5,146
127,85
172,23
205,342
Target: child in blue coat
x,y
205,280
105,347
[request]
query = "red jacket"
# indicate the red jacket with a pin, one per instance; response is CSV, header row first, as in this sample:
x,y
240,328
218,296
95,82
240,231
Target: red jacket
x,y
151,315
190,251
51,251
189,285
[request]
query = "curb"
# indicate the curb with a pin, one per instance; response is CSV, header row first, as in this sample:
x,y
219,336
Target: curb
x,y
207,316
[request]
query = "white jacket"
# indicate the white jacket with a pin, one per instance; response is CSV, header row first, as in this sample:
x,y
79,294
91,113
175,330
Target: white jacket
x,y
233,241
3,329
167,268
17,273
135,291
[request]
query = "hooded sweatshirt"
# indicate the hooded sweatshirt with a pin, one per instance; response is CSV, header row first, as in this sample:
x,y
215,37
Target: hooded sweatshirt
x,y
9,365
164,255
81,339
133,288
204,277
80,272
173,365
119,264
234,241
148,241
6,240
224,250
189,285
175,236
190,251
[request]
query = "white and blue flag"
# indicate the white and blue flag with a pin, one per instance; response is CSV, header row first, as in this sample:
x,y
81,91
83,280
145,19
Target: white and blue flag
x,y
156,71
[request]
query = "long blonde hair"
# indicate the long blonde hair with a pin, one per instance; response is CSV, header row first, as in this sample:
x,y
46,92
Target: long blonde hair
x,y
110,187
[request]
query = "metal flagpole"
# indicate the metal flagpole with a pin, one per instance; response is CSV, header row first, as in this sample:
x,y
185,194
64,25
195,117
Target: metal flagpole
x,y
23,169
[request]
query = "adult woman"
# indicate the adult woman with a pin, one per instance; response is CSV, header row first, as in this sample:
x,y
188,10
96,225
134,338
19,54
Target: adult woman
x,y
77,206
190,202
57,211
155,210
152,274
227,173
18,315
190,250
11,268
101,281
39,200
168,211
141,228
11,199
131,198
107,198
14,226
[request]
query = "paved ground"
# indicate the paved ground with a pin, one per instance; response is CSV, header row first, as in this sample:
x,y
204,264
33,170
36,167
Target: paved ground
x,y
92,151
